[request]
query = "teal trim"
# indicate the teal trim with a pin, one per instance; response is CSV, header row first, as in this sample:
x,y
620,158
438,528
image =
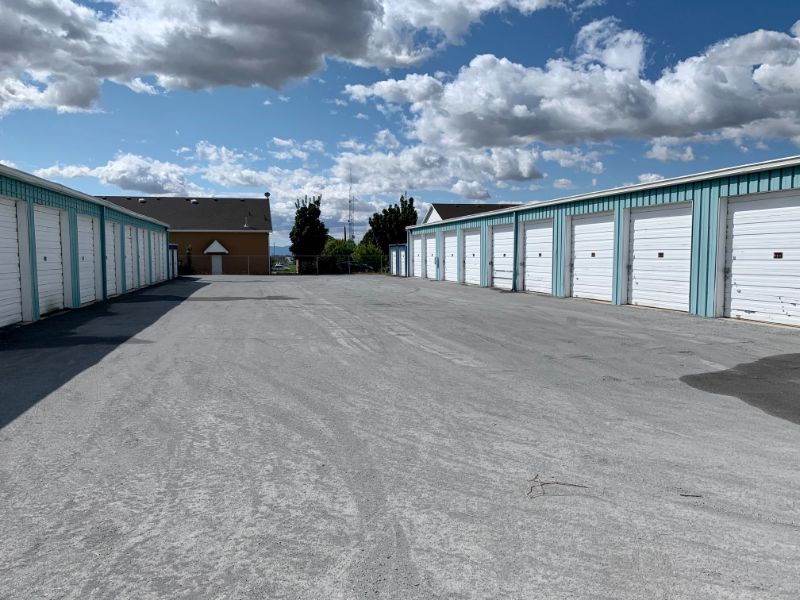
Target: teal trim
x,y
74,267
35,313
620,277
515,250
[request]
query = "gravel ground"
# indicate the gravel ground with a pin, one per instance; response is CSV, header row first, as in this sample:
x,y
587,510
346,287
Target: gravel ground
x,y
351,437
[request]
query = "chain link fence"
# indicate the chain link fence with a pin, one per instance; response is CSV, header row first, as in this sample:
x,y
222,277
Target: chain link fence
x,y
231,264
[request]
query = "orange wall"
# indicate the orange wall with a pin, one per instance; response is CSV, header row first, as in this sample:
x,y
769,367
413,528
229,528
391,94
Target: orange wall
x,y
252,243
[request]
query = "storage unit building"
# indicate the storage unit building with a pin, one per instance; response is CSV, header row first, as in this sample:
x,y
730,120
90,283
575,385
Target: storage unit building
x,y
60,248
397,259
720,243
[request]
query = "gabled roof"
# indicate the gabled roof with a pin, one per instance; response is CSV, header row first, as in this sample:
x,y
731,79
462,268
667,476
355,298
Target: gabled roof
x,y
453,211
201,214
215,248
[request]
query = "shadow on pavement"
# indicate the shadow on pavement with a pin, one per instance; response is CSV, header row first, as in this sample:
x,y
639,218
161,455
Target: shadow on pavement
x,y
771,384
39,358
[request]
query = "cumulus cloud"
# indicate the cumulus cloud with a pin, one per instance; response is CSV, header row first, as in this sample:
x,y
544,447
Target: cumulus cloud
x,y
55,54
132,172
669,149
746,86
470,189
650,177
586,161
563,184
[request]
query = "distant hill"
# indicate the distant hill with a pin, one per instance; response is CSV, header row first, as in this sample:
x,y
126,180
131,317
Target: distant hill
x,y
279,250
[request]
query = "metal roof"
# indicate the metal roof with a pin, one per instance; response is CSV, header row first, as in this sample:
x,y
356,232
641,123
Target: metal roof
x,y
777,163
62,189
196,213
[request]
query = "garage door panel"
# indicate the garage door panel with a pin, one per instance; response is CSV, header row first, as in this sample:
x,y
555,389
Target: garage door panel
x,y
430,257
660,256
762,259
451,256
503,257
593,257
416,262
538,257
10,285
86,263
112,235
472,257
49,262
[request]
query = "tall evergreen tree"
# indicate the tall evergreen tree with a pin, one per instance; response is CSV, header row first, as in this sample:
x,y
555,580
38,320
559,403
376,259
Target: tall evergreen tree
x,y
309,233
389,226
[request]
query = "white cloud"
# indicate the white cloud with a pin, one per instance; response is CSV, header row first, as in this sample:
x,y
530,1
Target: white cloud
x,y
586,161
284,98
650,177
742,87
386,139
667,149
353,145
362,116
470,189
267,103
132,172
563,184
8,163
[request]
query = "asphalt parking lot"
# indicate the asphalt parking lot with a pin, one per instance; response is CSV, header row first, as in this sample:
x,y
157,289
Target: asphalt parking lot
x,y
350,437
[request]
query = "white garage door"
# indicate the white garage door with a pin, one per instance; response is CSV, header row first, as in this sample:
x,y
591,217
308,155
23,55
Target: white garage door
x,y
430,257
402,262
660,256
538,274
130,259
10,288
416,263
593,257
393,256
112,251
154,256
141,235
472,257
450,256
49,262
86,265
503,256
763,260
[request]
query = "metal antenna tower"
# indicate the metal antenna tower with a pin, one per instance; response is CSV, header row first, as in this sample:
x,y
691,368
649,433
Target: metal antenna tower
x,y
351,208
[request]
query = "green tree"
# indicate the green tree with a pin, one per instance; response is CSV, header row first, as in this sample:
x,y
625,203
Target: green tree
x,y
334,247
309,233
369,253
389,226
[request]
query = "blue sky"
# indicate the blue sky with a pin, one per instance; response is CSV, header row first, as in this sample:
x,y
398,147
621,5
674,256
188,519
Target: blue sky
x,y
452,101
